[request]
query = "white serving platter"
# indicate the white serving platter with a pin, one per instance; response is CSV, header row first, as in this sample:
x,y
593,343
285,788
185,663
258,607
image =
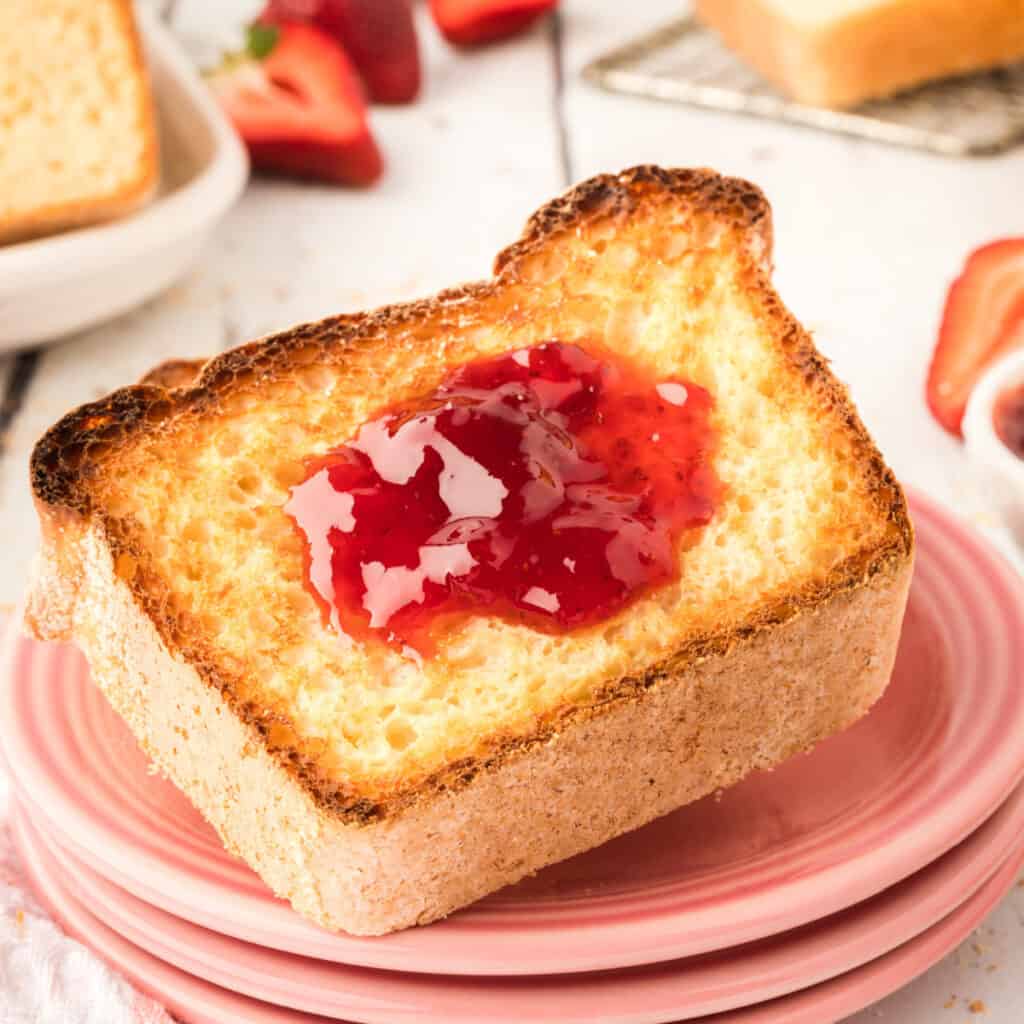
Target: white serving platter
x,y
51,287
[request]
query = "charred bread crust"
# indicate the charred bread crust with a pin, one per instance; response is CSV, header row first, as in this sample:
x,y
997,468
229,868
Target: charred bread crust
x,y
67,457
174,373
59,476
735,201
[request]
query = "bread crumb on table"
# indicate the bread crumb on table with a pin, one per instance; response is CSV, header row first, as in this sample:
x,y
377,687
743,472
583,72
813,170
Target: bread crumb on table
x,y
977,1006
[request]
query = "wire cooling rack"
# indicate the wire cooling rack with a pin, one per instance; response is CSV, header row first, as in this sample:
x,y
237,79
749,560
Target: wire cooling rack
x,y
684,62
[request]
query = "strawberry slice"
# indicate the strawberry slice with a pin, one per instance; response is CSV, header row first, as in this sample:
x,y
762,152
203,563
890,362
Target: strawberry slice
x,y
983,318
379,36
298,105
472,22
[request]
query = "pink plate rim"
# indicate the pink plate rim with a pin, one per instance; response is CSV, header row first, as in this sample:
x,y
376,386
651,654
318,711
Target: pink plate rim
x,y
201,1002
679,990
967,583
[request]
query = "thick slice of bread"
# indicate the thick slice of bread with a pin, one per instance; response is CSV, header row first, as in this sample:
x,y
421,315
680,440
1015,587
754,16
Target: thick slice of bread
x,y
375,792
838,53
77,126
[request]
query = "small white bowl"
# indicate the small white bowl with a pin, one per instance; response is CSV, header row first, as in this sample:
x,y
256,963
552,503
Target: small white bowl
x,y
53,286
998,473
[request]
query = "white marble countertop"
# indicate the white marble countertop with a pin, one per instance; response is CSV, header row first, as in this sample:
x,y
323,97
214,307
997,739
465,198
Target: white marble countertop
x,y
867,239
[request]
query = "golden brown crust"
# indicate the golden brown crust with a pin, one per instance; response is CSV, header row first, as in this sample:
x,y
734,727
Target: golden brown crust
x,y
174,373
736,202
71,454
78,213
55,476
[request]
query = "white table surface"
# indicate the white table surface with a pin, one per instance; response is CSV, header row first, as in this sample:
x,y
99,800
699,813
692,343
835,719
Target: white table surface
x,y
867,240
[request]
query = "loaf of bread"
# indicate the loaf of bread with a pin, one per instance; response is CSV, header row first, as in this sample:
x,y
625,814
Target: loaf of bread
x,y
376,790
839,53
78,140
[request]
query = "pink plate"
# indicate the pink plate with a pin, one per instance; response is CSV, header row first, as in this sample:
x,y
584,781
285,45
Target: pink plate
x,y
864,810
676,990
199,1002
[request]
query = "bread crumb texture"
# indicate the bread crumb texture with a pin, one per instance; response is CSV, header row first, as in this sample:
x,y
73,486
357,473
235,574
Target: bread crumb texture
x,y
75,115
194,502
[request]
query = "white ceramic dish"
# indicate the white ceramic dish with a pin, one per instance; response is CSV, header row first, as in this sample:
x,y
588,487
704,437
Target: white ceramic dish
x,y
999,474
50,287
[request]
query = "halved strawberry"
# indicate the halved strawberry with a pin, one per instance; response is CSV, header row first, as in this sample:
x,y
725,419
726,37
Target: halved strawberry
x,y
379,36
471,22
298,105
983,318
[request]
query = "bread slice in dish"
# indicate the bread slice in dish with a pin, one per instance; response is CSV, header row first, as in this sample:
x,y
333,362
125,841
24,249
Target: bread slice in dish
x,y
76,116
375,790
839,53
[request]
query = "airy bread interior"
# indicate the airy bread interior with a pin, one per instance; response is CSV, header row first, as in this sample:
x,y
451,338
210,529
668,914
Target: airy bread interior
x,y
818,12
75,113
672,272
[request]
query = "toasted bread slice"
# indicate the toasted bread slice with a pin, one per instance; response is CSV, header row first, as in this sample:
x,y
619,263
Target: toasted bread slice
x,y
76,116
375,792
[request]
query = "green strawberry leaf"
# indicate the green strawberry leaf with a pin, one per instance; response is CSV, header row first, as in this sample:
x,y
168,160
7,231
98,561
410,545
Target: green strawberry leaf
x,y
261,39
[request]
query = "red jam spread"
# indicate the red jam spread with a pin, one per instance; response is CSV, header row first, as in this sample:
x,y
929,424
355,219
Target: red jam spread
x,y
1008,418
551,485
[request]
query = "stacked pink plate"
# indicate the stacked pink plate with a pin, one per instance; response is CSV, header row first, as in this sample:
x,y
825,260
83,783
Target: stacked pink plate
x,y
800,895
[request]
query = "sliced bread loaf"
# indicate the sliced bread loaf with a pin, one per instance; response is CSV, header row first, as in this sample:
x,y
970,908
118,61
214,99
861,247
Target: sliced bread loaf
x,y
78,139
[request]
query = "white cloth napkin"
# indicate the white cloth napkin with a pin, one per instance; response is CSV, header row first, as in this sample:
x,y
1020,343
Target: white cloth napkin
x,y
45,977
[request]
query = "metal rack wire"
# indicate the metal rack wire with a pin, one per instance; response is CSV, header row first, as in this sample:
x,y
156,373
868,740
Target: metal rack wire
x,y
686,63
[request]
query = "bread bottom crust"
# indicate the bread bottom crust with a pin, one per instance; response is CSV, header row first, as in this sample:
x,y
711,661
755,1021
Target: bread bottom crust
x,y
53,220
691,733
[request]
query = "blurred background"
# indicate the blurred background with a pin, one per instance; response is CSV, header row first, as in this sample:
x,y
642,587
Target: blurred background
x,y
868,235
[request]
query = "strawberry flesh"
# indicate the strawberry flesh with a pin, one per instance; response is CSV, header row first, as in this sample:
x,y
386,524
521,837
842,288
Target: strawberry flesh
x,y
983,318
472,22
300,109
378,35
